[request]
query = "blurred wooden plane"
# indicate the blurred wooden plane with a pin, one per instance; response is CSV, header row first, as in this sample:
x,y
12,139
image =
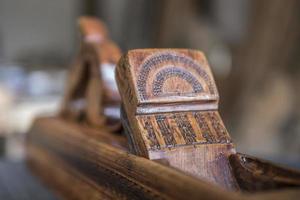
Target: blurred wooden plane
x,y
91,94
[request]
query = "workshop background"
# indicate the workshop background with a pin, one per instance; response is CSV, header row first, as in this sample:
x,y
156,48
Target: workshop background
x,y
253,47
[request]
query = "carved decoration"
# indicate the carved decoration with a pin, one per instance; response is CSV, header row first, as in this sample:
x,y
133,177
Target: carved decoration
x,y
169,115
158,68
170,103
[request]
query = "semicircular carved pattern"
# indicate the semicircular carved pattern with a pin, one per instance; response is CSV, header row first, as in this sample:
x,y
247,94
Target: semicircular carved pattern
x,y
175,81
172,74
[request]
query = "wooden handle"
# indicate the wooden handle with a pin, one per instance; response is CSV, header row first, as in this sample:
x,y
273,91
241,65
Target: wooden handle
x,y
92,29
170,112
90,89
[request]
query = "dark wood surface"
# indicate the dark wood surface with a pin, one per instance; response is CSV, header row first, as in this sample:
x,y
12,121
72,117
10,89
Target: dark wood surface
x,y
17,183
253,174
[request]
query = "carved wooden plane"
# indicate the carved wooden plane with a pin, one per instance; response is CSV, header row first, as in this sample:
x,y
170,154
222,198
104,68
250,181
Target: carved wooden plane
x,y
170,102
177,146
170,112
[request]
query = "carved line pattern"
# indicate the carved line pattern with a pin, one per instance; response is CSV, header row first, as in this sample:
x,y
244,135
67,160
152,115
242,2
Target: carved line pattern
x,y
219,128
166,131
154,144
165,74
185,128
214,134
154,61
206,133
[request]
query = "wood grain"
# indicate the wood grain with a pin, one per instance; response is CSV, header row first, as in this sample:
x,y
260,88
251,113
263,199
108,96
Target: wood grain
x,y
64,152
83,163
170,112
177,146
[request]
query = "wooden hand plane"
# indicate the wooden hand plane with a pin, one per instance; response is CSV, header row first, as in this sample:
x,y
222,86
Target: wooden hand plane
x,y
170,112
170,104
91,93
174,146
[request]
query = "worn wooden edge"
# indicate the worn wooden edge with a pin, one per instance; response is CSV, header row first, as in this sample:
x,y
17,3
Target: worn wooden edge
x,y
254,174
81,165
62,178
126,174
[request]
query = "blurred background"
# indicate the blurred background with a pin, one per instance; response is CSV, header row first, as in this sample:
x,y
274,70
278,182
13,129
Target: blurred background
x,y
253,47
